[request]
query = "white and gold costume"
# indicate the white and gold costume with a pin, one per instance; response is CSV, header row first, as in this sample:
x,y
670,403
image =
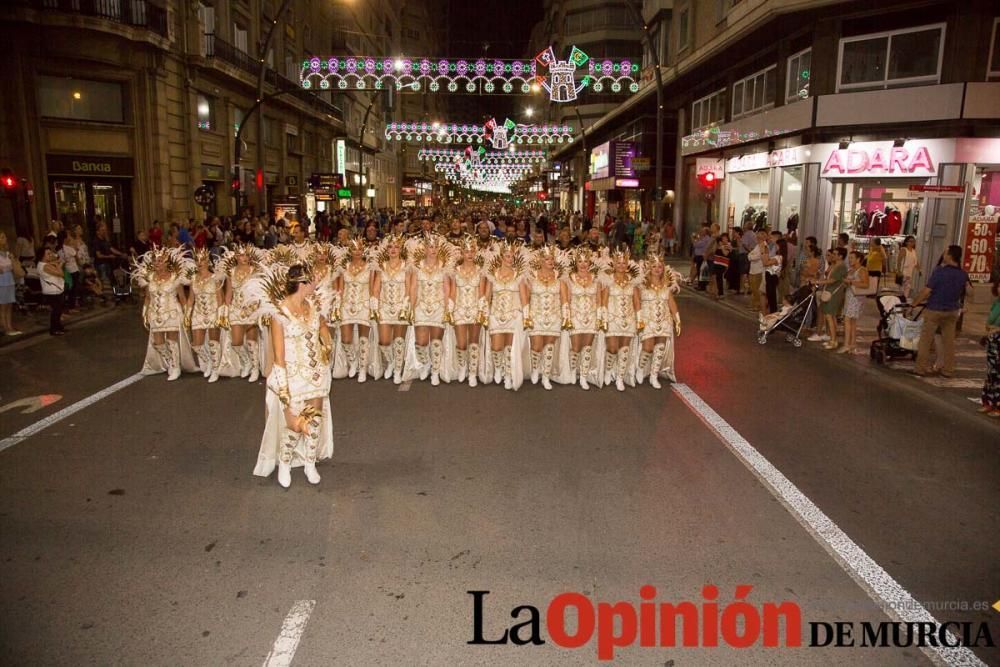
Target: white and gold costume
x,y
621,321
544,313
305,376
659,323
391,306
355,311
584,316
356,295
243,307
468,282
430,305
164,313
506,314
206,304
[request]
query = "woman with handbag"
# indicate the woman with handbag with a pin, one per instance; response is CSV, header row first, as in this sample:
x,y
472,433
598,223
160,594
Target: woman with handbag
x,y
832,296
9,265
856,281
724,257
907,266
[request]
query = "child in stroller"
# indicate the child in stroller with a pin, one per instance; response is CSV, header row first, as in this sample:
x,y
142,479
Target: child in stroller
x,y
898,330
796,310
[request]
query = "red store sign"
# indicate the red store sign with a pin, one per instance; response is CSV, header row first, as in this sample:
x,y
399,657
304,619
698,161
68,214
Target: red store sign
x,y
980,245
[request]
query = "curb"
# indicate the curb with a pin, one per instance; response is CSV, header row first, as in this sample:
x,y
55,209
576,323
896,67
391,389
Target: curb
x,y
7,341
882,375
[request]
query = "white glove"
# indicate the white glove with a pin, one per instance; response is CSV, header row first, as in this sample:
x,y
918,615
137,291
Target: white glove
x,y
277,382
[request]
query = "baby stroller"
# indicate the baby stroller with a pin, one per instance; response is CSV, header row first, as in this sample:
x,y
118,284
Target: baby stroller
x,y
898,330
121,285
794,316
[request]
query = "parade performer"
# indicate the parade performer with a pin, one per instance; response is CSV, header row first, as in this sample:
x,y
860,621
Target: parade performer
x,y
468,284
661,320
622,304
162,272
505,295
299,429
543,314
205,298
354,286
322,261
431,301
583,317
391,305
240,312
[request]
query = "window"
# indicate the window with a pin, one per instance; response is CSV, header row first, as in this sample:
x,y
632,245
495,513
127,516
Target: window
x,y
897,58
994,66
755,92
683,28
206,112
797,86
707,110
206,14
292,142
291,65
80,99
270,136
240,37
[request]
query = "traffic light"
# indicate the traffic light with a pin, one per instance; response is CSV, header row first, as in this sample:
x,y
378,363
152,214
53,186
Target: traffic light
x,y
8,180
234,185
707,180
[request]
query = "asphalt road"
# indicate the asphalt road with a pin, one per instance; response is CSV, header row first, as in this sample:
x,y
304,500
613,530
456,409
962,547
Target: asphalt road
x,y
133,533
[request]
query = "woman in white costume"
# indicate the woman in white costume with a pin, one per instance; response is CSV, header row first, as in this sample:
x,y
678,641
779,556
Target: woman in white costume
x,y
622,304
582,315
543,319
162,272
298,430
391,305
205,298
354,286
430,292
241,309
506,295
468,280
322,260
661,319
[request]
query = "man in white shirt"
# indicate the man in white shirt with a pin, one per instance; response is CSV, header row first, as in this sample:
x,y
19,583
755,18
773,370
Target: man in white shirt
x,y
50,274
756,257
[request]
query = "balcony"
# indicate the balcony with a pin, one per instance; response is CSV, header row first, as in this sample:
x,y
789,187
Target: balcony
x,y
132,13
219,49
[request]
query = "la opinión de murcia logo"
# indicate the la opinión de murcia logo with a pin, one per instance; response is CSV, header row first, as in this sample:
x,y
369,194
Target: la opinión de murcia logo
x,y
707,623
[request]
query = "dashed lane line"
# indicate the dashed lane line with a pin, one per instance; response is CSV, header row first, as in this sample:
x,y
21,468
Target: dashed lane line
x,y
291,632
57,417
895,600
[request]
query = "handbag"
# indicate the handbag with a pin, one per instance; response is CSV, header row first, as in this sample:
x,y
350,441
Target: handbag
x,y
721,260
899,279
871,290
825,294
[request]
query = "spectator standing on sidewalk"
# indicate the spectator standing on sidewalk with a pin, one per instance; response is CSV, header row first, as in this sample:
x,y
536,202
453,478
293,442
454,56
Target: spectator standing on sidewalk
x,y
7,289
991,386
24,249
69,256
943,297
670,237
721,262
857,278
876,260
757,255
747,243
50,274
833,285
907,266
699,242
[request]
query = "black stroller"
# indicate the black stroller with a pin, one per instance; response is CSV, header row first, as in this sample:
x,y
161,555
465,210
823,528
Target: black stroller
x,y
791,318
898,330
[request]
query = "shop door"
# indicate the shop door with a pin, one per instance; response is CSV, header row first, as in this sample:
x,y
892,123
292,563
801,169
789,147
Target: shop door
x,y
69,205
109,199
88,202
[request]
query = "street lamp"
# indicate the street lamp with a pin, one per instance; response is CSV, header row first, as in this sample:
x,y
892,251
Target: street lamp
x,y
529,112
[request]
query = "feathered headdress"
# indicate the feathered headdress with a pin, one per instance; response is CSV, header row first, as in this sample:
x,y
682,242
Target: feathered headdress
x,y
550,252
671,278
622,253
432,243
501,248
583,252
467,244
391,240
176,262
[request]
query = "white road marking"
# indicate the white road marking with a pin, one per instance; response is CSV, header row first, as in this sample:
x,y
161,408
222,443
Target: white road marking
x,y
404,387
56,417
291,632
895,600
953,383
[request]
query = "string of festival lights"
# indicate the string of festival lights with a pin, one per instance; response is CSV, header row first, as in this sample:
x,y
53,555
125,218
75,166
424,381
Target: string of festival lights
x,y
496,135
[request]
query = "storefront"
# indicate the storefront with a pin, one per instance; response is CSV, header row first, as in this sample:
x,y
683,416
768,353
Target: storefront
x,y
616,188
90,189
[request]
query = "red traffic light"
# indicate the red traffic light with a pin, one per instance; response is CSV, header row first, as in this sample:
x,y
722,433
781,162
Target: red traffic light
x,y
236,185
707,180
8,179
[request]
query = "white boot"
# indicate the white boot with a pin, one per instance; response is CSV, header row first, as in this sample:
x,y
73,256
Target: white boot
x,y
622,368
386,355
609,366
352,358
536,358
244,359
585,359
574,364
253,354
424,357
398,353
363,359
463,359
312,450
640,368
284,474
508,379
204,360
548,354
436,353
311,474
174,369
654,368
215,351
288,442
473,364
497,367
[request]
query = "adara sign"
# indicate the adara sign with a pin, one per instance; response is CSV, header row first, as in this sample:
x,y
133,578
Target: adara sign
x,y
880,160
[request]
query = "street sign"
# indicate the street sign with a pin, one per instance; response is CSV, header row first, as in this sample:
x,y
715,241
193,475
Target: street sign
x,y
939,191
204,196
344,193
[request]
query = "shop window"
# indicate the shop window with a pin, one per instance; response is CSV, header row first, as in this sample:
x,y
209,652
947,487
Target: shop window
x,y
708,110
80,99
683,28
797,86
754,93
888,59
994,67
206,112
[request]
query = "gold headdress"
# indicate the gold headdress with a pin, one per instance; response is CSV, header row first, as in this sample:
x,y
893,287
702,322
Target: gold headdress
x,y
501,248
548,252
429,242
388,241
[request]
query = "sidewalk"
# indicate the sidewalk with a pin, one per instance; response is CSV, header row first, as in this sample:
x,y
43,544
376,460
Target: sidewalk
x,y
970,368
35,321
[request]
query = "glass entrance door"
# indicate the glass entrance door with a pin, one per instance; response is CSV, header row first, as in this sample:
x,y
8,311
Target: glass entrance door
x,y
89,202
70,206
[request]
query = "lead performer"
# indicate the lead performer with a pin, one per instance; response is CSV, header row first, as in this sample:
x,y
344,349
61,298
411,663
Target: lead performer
x,y
299,429
163,273
661,319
